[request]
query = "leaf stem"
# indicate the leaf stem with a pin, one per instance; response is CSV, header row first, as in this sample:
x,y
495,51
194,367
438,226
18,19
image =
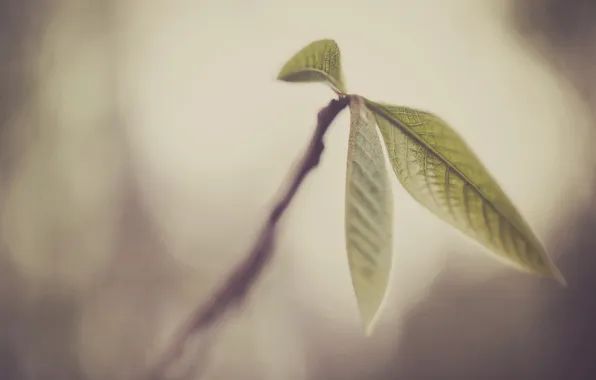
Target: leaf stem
x,y
234,290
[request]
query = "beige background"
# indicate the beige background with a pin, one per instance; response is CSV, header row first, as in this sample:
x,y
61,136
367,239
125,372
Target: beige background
x,y
152,137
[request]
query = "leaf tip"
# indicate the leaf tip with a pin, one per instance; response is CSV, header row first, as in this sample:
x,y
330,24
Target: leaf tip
x,y
370,311
556,274
370,308
550,270
369,322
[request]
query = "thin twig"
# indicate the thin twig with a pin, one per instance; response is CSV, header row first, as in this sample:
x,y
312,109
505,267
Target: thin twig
x,y
235,289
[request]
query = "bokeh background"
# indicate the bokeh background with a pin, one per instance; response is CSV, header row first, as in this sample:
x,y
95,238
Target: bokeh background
x,y
141,143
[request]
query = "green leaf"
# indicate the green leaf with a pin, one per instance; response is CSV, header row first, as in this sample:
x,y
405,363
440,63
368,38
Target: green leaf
x,y
319,61
442,173
369,214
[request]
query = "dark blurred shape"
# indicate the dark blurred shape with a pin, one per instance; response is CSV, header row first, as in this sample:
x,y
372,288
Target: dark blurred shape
x,y
19,33
564,32
14,32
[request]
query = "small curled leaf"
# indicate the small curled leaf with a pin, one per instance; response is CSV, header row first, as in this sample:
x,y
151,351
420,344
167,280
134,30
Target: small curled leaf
x,y
436,166
369,214
319,61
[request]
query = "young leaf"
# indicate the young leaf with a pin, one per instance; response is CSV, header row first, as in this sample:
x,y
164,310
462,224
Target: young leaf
x,y
441,172
319,61
369,213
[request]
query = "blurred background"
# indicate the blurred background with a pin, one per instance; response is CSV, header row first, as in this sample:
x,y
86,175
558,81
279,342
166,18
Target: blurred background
x,y
141,143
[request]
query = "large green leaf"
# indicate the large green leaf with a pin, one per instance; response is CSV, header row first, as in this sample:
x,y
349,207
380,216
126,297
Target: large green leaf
x,y
369,213
319,61
441,172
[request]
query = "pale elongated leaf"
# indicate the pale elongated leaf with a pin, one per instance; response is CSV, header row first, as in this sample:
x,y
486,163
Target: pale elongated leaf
x,y
369,212
441,172
319,61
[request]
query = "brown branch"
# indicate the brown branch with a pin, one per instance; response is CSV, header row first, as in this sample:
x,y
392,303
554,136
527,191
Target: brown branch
x,y
235,289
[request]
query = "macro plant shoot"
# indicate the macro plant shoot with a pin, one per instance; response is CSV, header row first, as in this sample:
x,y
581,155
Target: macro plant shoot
x,y
429,159
435,166
180,200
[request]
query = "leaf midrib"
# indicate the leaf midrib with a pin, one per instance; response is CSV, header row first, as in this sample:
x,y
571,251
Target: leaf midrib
x,y
413,135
